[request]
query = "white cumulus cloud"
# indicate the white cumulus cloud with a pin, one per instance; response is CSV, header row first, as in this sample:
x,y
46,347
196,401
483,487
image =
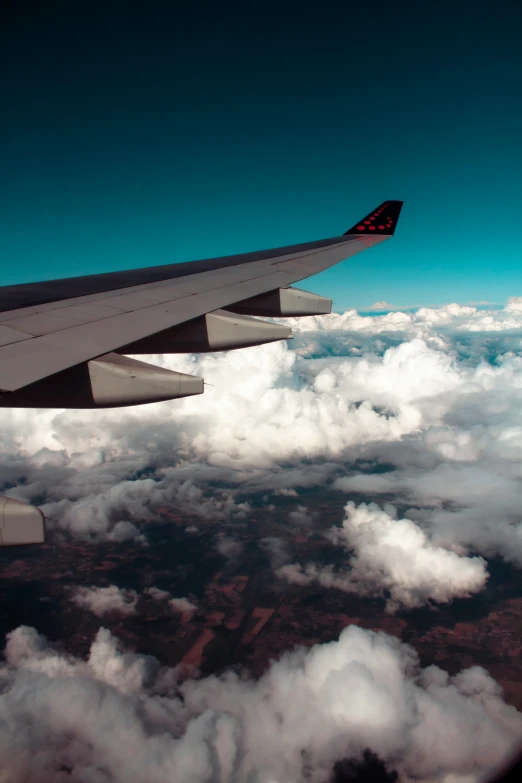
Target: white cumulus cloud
x,y
102,600
395,557
120,717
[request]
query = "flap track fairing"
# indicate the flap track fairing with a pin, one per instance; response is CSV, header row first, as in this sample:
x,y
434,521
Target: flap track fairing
x,y
289,302
219,330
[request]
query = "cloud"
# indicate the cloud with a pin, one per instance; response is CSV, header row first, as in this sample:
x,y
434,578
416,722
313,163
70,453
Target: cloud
x,y
276,550
157,594
393,557
118,716
514,304
103,600
181,605
229,548
300,516
387,306
471,503
107,514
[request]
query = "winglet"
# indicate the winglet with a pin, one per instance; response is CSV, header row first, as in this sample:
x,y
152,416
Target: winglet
x,y
382,220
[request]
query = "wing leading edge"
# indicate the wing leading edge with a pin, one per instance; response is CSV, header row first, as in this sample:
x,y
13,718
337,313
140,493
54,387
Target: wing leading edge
x,y
62,342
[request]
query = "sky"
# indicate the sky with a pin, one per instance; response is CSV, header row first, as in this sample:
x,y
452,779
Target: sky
x,y
138,134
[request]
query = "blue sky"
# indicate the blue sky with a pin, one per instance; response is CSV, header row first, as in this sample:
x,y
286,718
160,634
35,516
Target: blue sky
x,y
138,136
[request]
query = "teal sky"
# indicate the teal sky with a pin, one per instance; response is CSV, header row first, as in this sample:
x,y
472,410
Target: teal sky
x,y
134,135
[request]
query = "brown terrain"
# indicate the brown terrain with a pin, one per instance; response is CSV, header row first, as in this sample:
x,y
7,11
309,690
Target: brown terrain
x,y
246,616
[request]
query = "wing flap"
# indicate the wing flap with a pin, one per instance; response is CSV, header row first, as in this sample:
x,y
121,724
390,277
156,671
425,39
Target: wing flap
x,y
9,335
57,320
140,299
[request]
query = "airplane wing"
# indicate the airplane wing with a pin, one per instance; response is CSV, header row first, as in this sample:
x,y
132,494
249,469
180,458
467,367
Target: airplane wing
x,y
63,343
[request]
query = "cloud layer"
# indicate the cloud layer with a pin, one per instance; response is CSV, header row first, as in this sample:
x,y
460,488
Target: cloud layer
x,y
416,419
434,397
121,717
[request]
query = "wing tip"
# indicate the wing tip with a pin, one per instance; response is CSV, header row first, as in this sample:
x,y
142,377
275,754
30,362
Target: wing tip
x,y
381,221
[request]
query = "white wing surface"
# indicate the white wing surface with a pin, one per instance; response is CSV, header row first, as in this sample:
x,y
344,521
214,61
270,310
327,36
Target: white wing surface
x,y
63,342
